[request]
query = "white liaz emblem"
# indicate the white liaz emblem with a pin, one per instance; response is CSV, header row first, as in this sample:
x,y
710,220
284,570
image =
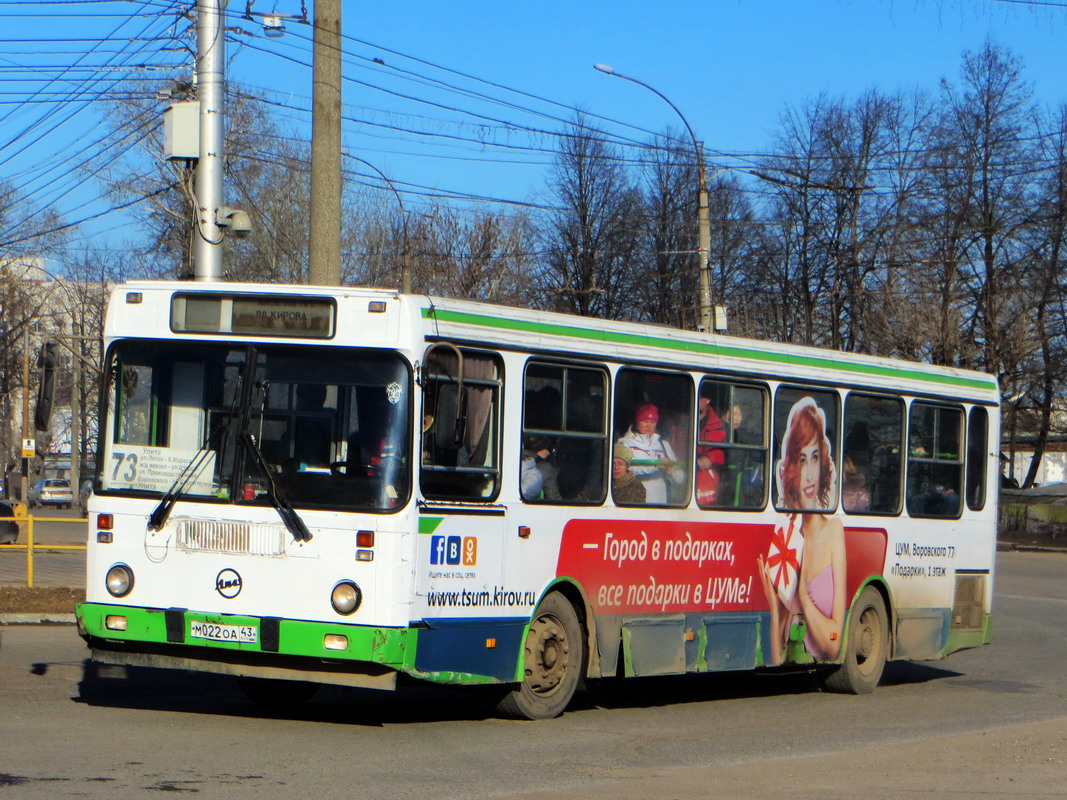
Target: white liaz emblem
x,y
392,392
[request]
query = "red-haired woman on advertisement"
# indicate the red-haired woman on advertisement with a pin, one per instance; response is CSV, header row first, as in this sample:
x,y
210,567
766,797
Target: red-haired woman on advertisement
x,y
806,488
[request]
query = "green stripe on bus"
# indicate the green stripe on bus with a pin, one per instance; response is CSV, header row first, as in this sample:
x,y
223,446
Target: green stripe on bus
x,y
702,348
429,524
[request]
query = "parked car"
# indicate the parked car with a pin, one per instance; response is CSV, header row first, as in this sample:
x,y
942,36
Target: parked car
x,y
83,496
9,531
51,492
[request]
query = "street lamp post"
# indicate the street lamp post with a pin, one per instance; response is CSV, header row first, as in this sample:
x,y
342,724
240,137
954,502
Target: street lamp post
x,y
707,321
405,265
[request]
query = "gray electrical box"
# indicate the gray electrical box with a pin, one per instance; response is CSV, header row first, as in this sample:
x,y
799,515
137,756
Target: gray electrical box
x,y
181,131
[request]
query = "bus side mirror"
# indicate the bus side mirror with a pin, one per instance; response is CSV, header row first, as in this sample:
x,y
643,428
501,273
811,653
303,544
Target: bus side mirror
x,y
46,386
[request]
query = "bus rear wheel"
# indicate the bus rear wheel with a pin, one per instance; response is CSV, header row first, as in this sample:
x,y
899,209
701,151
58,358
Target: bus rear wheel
x,y
866,646
553,659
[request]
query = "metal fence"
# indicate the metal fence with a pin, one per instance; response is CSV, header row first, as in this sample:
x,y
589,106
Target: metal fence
x,y
68,572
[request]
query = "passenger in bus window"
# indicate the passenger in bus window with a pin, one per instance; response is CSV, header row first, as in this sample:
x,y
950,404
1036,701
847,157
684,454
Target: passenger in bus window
x,y
626,489
947,501
710,428
653,457
539,477
441,445
854,495
742,434
806,486
427,436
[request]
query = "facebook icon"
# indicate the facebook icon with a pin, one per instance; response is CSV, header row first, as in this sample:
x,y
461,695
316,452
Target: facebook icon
x,y
445,549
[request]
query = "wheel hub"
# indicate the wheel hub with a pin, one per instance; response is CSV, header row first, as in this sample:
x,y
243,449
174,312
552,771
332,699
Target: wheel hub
x,y
867,640
547,654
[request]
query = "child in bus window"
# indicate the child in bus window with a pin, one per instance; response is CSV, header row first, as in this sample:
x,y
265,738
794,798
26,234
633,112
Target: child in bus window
x,y
626,489
854,495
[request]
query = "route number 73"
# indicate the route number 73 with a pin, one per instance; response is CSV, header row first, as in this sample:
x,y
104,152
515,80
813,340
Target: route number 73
x,y
125,467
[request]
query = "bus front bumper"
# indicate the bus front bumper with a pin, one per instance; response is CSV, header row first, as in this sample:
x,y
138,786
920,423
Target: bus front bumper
x,y
261,647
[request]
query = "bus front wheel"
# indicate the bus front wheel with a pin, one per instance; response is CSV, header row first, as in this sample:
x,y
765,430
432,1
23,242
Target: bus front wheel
x,y
553,658
866,647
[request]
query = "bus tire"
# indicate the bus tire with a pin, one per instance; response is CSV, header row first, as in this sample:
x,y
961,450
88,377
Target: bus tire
x,y
865,648
553,660
276,695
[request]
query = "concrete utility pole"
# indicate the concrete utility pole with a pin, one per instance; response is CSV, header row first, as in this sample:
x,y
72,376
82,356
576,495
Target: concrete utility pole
x,y
24,487
707,310
76,412
324,267
211,91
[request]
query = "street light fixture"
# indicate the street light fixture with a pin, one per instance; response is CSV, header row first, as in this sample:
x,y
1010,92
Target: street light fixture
x,y
405,265
707,310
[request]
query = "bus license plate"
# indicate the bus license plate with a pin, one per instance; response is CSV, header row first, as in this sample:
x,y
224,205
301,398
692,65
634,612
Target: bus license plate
x,y
222,633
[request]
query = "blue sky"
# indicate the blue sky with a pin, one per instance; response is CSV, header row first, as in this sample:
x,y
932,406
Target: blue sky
x,y
731,66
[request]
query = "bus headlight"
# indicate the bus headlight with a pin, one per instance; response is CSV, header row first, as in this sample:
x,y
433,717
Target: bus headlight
x,y
119,580
346,597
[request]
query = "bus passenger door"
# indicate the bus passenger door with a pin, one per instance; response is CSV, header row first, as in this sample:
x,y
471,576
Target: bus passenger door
x,y
461,609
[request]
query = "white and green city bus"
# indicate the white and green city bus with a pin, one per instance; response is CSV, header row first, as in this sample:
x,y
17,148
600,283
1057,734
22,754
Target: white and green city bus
x,y
307,485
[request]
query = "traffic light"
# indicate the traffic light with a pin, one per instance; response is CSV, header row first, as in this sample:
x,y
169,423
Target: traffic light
x,y
46,386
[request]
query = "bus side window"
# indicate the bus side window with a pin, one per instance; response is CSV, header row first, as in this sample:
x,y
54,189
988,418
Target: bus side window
x,y
874,439
460,424
564,433
806,425
654,420
935,460
731,465
977,448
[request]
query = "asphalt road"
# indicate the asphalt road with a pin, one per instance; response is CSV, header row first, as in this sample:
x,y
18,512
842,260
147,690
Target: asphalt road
x,y
990,722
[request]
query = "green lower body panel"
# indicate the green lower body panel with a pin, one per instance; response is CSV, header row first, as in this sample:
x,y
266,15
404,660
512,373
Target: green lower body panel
x,y
961,639
344,654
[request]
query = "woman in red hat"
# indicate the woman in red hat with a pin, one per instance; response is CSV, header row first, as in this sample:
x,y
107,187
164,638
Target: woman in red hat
x,y
653,458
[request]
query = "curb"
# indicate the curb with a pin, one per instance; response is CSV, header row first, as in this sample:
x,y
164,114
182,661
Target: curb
x,y
46,618
40,618
1029,548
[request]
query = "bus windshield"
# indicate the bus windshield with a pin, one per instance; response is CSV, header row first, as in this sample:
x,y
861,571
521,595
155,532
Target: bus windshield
x,y
329,426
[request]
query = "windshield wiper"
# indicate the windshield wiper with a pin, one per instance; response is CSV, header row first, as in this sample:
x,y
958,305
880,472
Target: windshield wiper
x,y
289,516
161,513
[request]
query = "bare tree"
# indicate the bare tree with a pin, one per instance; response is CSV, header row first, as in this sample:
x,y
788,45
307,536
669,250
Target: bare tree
x,y
476,254
272,185
81,304
984,176
667,292
1033,390
735,243
591,241
895,323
